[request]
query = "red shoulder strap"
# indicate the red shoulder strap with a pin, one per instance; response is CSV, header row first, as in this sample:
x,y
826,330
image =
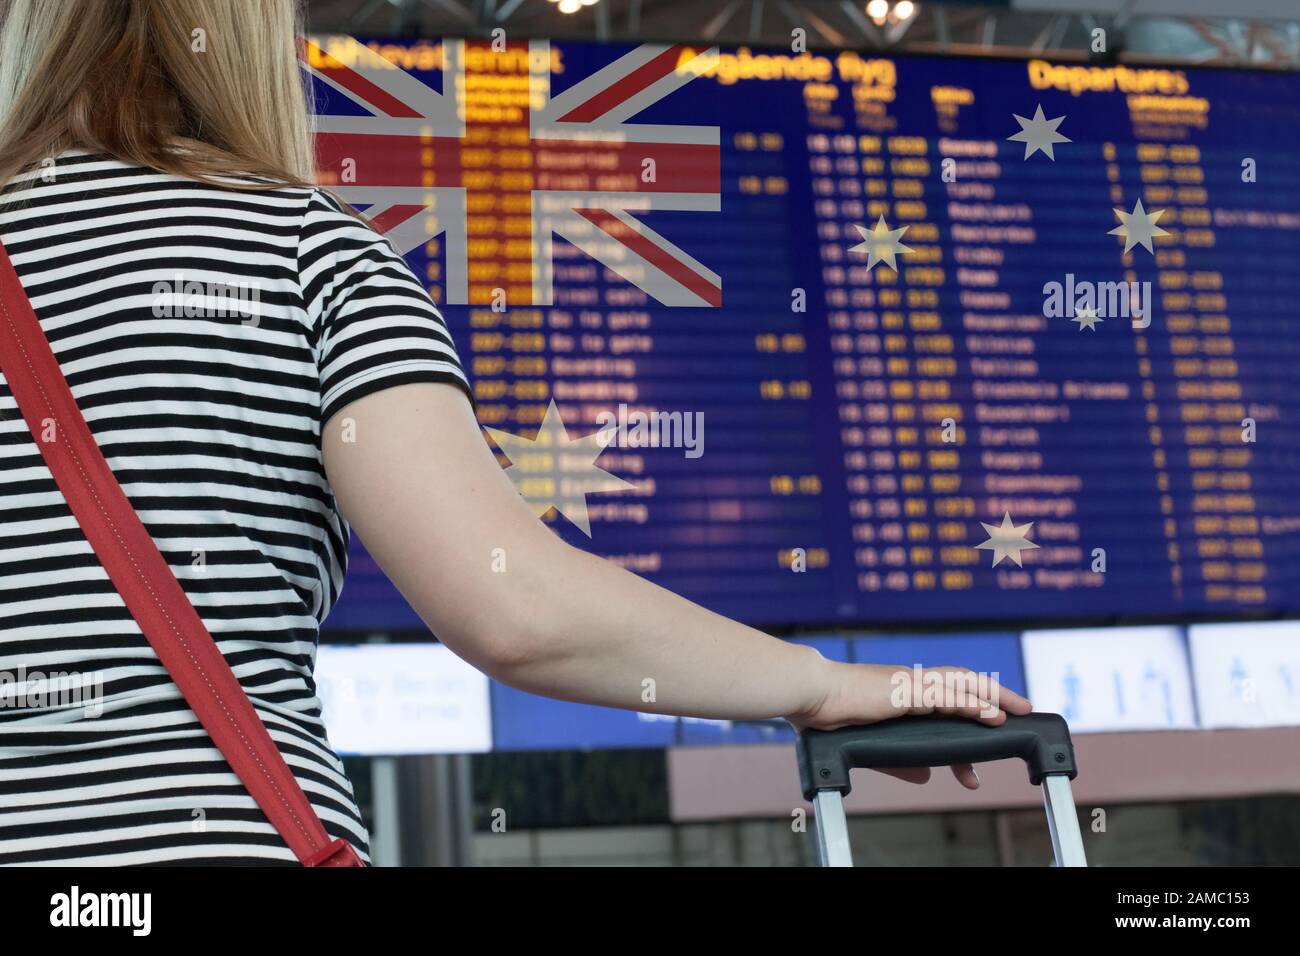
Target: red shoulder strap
x,y
147,583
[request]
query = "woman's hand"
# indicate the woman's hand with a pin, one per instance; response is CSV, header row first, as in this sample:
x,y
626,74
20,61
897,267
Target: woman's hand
x,y
869,693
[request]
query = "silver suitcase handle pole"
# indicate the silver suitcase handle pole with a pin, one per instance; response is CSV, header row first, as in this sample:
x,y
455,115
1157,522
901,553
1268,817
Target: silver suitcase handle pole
x,y
1041,740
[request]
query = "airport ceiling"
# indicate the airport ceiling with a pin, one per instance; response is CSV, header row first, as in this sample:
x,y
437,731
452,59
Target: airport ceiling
x,y
1260,33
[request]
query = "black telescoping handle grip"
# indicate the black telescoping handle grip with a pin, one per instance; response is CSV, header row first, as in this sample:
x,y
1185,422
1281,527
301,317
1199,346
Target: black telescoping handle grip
x,y
1042,741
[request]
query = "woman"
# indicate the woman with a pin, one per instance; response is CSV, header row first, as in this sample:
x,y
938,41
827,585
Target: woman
x,y
147,146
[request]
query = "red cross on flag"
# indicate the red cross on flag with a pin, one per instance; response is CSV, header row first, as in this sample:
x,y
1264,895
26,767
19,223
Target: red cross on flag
x,y
494,166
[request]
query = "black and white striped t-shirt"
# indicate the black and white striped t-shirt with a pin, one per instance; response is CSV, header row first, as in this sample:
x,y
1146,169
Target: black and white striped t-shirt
x,y
210,414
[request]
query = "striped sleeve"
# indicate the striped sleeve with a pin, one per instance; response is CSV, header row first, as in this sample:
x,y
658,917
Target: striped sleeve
x,y
374,324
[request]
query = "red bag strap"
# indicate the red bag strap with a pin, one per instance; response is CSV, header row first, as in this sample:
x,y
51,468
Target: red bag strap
x,y
147,583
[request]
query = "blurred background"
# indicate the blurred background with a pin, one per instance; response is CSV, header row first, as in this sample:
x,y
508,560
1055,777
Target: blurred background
x,y
655,208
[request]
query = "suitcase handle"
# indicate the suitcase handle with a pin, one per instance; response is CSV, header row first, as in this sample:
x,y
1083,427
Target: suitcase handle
x,y
827,756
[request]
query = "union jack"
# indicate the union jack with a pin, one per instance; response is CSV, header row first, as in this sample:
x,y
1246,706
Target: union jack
x,y
498,186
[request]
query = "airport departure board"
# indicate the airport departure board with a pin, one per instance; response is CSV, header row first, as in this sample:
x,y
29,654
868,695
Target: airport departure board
x,y
866,340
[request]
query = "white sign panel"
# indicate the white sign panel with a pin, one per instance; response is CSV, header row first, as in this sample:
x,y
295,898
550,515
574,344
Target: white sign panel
x,y
402,699
1247,675
1113,678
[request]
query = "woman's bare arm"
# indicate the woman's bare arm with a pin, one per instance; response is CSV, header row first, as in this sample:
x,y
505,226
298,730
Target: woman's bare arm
x,y
426,495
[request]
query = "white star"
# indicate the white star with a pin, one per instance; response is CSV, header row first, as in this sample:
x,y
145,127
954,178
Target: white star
x,y
556,471
881,244
1007,540
1138,226
1087,319
1039,133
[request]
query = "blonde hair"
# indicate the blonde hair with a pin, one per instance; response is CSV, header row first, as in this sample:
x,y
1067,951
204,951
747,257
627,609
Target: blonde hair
x,y
204,89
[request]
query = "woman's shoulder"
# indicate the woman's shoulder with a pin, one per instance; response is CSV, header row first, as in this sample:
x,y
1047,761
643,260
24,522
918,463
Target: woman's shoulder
x,y
90,167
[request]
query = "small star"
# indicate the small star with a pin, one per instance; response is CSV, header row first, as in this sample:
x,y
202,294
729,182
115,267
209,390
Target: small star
x,y
1039,133
556,471
1087,319
1007,540
1138,226
881,244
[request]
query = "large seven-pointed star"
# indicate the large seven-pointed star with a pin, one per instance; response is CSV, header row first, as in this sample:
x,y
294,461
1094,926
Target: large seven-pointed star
x,y
553,470
881,244
1007,540
1038,134
1138,227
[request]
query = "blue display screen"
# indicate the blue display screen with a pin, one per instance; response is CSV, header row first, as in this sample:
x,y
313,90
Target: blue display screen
x,y
807,435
